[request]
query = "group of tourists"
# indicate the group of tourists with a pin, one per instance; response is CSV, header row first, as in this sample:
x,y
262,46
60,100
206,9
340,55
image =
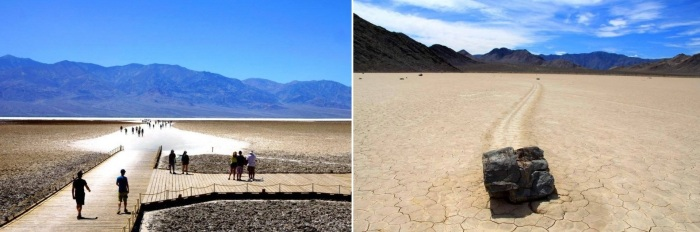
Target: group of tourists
x,y
159,123
134,130
185,162
79,186
238,161
237,164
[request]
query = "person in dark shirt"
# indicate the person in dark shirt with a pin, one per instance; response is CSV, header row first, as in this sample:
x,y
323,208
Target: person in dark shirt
x,y
79,186
171,162
240,162
185,162
123,184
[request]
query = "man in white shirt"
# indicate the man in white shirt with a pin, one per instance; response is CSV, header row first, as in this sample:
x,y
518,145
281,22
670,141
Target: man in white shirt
x,y
251,166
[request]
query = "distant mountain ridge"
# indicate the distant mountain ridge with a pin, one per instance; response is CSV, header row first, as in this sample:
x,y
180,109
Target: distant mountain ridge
x,y
379,50
599,60
66,88
681,63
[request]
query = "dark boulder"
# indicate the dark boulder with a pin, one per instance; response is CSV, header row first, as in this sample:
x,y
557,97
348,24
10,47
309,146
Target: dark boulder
x,y
518,175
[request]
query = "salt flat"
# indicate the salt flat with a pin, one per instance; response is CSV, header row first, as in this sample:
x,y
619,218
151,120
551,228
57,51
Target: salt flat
x,y
622,150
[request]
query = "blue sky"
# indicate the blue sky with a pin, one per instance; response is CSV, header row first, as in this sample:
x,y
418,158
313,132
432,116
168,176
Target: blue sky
x,y
647,29
280,40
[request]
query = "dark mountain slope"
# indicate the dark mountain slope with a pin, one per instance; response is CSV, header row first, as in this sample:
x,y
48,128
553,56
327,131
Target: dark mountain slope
x,y
377,50
453,58
505,55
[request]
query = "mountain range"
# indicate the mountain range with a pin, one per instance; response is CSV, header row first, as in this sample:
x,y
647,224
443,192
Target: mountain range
x,y
381,50
72,89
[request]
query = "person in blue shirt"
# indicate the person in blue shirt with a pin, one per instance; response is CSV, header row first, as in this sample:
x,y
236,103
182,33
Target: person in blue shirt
x,y
123,184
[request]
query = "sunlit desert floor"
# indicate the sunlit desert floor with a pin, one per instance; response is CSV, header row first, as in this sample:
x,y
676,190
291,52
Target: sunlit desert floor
x,y
623,151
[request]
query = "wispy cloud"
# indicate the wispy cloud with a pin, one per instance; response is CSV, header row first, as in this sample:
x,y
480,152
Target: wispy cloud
x,y
572,2
475,38
444,5
584,18
679,24
690,32
630,19
481,25
694,42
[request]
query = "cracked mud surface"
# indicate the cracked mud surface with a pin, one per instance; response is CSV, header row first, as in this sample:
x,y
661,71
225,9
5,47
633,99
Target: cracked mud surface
x,y
622,150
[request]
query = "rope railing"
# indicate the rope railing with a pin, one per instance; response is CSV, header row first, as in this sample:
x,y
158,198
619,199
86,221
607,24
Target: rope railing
x,y
222,188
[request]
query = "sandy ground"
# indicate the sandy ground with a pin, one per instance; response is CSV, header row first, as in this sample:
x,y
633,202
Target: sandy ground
x,y
38,157
622,151
310,138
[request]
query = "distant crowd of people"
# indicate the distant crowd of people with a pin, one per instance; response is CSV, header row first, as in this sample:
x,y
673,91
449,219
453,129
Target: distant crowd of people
x,y
138,130
134,129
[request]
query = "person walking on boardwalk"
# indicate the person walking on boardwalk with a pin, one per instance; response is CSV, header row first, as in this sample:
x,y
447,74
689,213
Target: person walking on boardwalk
x,y
233,166
251,166
171,162
79,186
185,162
240,162
123,185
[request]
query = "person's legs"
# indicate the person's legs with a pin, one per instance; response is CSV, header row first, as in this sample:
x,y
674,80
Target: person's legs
x,y
80,201
230,171
125,197
253,171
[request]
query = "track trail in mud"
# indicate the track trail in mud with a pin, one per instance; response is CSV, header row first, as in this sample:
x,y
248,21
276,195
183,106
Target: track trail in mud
x,y
513,129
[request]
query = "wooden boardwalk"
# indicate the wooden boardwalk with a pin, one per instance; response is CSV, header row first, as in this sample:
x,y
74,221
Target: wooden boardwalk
x,y
58,212
168,186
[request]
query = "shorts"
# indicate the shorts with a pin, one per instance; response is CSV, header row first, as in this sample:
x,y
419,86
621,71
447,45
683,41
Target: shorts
x,y
123,196
80,198
239,169
233,165
251,169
